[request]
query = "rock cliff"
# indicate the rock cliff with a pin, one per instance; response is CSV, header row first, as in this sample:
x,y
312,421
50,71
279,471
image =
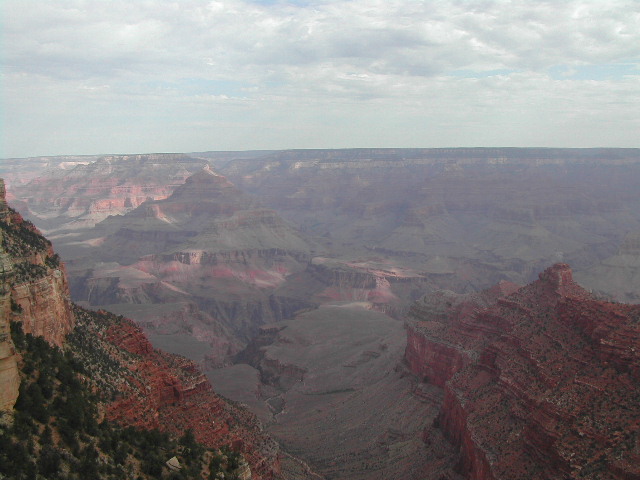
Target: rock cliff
x,y
9,379
33,291
538,383
38,285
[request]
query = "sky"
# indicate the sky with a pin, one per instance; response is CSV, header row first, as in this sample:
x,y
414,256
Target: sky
x,y
136,76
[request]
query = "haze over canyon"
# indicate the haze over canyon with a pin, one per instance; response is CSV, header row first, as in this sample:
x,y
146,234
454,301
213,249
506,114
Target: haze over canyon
x,y
462,313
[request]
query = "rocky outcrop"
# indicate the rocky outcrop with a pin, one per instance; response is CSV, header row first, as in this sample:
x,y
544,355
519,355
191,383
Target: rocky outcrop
x,y
441,335
542,383
35,277
384,286
43,306
33,291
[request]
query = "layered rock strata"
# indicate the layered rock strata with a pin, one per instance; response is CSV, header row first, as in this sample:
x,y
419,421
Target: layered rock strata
x,y
33,291
209,250
543,383
9,376
488,214
75,196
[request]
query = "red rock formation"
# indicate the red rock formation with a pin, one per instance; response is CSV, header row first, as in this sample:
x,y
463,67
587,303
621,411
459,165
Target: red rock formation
x,y
168,392
209,248
35,277
438,347
141,386
548,383
45,306
33,291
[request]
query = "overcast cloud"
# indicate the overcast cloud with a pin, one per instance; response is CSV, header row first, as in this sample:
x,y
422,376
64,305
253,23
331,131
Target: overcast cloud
x,y
95,76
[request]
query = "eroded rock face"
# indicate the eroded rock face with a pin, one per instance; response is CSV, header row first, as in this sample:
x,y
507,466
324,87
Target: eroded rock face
x,y
541,383
45,309
438,347
35,277
152,389
33,291
135,384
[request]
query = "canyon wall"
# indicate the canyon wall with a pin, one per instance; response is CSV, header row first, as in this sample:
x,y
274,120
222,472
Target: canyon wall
x,y
33,291
482,215
76,195
9,378
209,251
35,277
542,383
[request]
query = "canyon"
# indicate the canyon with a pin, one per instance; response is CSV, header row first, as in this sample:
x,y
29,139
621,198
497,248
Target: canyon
x,y
366,304
377,225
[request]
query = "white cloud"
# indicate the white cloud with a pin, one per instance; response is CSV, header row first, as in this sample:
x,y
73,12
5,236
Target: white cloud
x,y
148,67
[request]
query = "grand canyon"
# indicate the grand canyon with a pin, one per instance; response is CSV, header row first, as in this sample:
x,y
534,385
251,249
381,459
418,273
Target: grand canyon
x,y
343,314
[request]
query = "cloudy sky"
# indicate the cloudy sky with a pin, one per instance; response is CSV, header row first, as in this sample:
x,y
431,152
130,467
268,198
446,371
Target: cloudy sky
x,y
98,76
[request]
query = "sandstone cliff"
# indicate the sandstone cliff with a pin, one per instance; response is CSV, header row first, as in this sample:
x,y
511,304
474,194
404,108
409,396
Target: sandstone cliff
x,y
9,378
540,383
33,291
